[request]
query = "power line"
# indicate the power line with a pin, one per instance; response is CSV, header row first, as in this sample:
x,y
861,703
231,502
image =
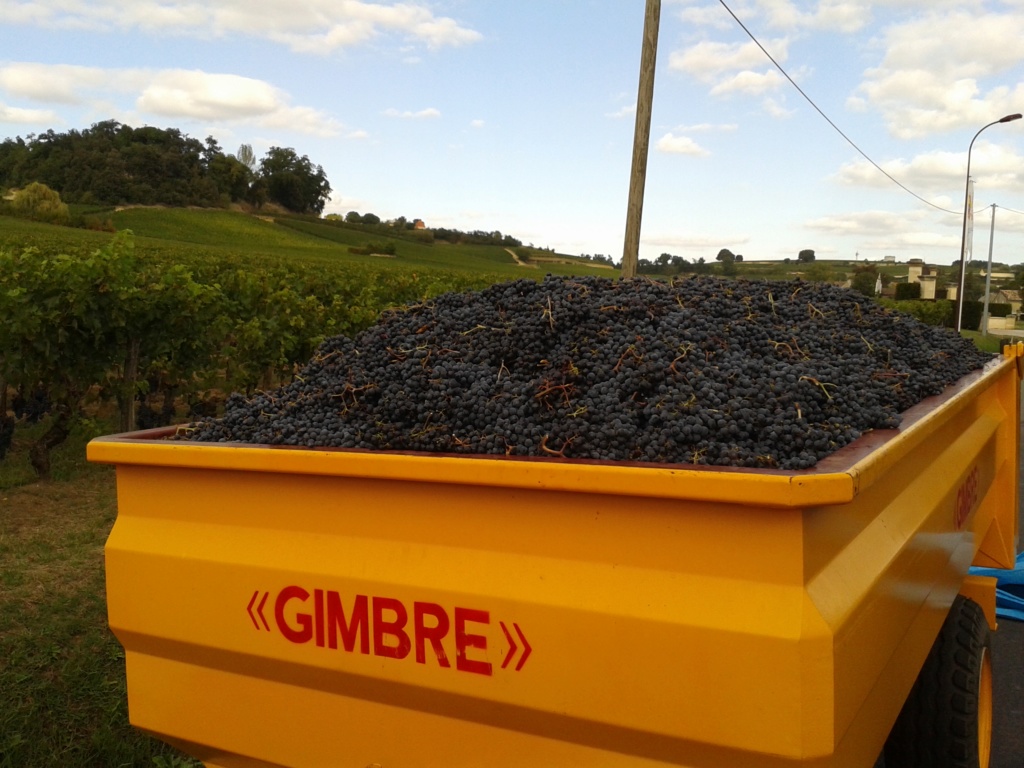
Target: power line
x,y
829,120
1008,210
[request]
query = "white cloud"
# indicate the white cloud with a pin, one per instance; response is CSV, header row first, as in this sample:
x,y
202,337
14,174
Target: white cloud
x,y
915,242
706,127
706,16
945,71
170,93
306,120
839,15
52,83
180,93
862,222
423,114
476,123
27,116
931,174
755,83
735,68
775,109
626,111
313,26
680,145
710,61
696,242
845,16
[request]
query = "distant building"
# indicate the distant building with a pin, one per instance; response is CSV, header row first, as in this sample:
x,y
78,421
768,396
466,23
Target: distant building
x,y
418,224
1006,296
919,272
889,259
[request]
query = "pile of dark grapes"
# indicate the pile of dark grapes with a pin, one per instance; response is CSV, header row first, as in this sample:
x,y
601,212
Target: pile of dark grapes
x,y
703,371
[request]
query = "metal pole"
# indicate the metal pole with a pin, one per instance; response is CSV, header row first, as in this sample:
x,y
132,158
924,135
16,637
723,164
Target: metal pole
x,y
958,311
641,139
988,273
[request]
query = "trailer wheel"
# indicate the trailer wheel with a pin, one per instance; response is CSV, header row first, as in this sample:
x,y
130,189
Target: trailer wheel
x,y
946,722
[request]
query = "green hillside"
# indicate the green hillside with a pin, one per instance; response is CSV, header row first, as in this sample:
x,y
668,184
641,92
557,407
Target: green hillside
x,y
165,231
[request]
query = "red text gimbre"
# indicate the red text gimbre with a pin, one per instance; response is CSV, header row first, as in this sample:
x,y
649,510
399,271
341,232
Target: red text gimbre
x,y
389,628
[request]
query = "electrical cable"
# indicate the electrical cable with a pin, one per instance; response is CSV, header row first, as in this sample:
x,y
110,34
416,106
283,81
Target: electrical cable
x,y
1008,210
829,120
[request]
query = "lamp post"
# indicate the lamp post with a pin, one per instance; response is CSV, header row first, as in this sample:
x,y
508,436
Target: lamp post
x,y
963,236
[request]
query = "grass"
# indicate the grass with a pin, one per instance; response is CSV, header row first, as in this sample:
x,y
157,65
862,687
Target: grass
x,y
62,678
987,343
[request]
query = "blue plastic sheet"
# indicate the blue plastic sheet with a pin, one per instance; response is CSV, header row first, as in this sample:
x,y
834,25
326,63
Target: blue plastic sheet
x,y
1009,589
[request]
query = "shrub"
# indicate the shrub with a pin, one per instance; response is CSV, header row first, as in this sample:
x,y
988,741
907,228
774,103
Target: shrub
x,y
930,312
908,291
970,315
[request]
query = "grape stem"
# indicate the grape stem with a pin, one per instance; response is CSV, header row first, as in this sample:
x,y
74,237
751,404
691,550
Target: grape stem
x,y
630,352
551,451
817,383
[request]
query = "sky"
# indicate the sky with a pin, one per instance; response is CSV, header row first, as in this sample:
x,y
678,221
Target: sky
x,y
519,116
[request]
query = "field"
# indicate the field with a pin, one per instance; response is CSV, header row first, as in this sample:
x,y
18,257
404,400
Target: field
x,y
196,233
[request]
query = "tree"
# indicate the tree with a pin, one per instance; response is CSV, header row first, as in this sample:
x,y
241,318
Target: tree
x,y
13,154
231,177
805,256
247,157
293,182
39,202
725,256
864,280
974,285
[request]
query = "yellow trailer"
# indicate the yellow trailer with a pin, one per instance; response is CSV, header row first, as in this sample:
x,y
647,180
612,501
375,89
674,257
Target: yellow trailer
x,y
292,607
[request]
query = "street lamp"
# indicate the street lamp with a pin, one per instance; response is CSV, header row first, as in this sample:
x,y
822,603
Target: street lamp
x,y
963,236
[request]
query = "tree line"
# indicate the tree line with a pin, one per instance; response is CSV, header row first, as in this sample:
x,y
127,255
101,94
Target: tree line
x,y
418,231
116,164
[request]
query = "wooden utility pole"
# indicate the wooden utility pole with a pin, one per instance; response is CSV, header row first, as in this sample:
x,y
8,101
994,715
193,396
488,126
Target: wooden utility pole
x,y
641,139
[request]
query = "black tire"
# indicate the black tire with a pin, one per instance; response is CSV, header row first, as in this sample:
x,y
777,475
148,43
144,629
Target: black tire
x,y
946,722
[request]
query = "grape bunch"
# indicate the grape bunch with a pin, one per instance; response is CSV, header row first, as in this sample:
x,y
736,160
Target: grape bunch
x,y
702,371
